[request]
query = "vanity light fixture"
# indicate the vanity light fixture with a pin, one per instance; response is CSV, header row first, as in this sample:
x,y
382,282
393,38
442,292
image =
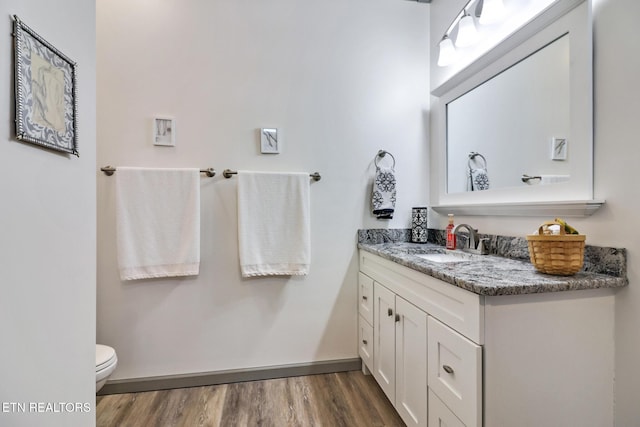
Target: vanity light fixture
x,y
467,32
447,52
492,11
447,49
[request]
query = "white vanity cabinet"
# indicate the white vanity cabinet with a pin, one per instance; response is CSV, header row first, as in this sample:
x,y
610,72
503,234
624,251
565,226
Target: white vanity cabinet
x,y
447,356
405,303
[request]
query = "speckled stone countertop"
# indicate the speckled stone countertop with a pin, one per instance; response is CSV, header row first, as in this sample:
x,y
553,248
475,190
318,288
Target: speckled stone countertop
x,y
491,274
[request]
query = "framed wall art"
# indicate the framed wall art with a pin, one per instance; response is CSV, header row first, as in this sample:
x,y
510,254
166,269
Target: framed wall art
x,y
559,149
46,92
269,143
164,131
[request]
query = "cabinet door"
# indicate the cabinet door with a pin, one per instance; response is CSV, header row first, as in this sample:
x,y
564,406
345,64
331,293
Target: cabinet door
x,y
384,342
411,363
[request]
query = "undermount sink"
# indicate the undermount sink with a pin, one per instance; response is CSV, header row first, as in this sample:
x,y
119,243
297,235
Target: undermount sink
x,y
456,256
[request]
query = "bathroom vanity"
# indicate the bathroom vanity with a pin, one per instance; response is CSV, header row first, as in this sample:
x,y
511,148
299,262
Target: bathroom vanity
x,y
485,340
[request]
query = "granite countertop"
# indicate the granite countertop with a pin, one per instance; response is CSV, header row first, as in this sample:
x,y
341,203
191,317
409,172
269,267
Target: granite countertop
x,y
490,274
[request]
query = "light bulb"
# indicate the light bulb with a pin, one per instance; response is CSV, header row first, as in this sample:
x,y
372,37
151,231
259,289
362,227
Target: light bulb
x,y
492,11
467,33
447,52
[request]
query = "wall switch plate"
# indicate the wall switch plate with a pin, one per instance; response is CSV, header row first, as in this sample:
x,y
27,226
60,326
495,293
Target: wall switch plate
x,y
558,148
269,143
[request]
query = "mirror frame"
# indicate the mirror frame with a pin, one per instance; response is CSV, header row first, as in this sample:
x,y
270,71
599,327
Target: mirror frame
x,y
572,18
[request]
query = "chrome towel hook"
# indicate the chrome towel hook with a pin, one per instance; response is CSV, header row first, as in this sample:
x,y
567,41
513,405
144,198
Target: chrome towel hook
x,y
380,155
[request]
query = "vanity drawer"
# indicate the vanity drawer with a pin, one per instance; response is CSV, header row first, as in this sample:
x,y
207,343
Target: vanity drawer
x,y
365,297
365,342
440,415
455,371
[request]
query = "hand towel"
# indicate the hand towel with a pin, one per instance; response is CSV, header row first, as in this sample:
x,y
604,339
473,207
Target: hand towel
x,y
273,223
479,179
383,197
477,170
158,222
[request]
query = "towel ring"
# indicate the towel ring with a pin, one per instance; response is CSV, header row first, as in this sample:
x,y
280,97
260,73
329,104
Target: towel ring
x,y
472,156
381,154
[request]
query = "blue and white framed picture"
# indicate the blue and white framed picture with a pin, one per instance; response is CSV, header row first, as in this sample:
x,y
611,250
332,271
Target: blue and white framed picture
x,y
46,92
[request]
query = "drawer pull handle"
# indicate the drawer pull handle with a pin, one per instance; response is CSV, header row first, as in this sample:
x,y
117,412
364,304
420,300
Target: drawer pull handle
x,y
448,369
397,317
389,312
364,297
364,342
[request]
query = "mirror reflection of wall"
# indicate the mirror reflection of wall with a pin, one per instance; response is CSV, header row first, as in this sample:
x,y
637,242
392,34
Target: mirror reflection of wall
x,y
512,121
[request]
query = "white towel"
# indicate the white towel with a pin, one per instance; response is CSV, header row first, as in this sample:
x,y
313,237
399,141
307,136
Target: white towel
x,y
158,222
273,223
548,179
553,179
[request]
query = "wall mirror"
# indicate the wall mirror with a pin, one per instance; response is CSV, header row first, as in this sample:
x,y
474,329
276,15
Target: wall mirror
x,y
513,130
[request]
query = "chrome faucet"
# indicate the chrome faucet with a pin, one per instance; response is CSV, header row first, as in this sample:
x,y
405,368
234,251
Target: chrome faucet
x,y
475,244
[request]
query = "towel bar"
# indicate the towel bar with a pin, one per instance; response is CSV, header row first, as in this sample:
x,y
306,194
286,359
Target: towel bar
x,y
527,178
109,170
227,173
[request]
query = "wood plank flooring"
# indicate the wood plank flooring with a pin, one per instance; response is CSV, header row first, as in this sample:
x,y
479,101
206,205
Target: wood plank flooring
x,y
348,399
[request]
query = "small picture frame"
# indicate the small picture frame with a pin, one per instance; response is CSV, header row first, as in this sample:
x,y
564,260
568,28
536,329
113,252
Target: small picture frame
x,y
164,131
558,149
46,92
269,143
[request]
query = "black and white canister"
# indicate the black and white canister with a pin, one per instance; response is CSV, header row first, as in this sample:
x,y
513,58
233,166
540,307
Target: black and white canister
x,y
419,225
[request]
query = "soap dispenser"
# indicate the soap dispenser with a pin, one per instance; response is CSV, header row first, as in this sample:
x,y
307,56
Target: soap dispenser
x,y
451,237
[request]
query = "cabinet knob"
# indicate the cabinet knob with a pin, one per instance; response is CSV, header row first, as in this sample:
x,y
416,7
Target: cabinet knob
x,y
397,317
389,312
448,369
364,342
364,297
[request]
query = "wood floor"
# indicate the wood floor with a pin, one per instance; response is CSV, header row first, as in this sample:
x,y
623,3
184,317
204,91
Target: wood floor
x,y
347,399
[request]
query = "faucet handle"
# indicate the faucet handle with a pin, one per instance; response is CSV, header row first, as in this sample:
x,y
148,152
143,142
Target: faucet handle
x,y
483,246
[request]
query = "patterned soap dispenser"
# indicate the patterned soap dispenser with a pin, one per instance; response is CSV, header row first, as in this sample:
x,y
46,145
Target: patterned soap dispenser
x,y
419,225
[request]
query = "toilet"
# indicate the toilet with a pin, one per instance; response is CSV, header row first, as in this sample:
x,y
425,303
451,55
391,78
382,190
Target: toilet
x,y
106,361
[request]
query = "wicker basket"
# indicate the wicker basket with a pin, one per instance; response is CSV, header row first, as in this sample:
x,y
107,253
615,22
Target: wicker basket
x,y
560,254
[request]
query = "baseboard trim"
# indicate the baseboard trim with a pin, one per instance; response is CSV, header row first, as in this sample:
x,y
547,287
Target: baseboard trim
x,y
135,385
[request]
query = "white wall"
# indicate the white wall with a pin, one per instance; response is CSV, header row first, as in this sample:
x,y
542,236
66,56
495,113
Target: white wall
x,y
48,243
340,80
616,106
